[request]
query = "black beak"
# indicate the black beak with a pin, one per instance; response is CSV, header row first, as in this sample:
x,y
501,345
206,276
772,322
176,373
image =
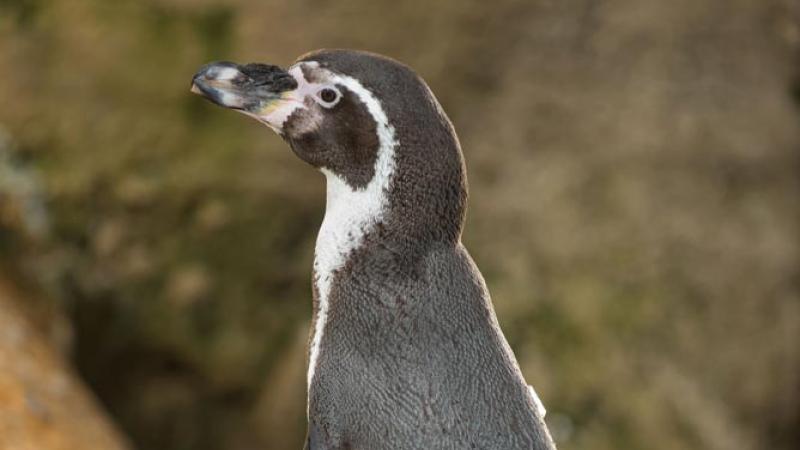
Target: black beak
x,y
244,87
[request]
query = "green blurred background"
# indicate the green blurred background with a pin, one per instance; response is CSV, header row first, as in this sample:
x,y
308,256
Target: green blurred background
x,y
634,206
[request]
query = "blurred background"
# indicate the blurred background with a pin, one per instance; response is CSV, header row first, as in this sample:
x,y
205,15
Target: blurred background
x,y
635,208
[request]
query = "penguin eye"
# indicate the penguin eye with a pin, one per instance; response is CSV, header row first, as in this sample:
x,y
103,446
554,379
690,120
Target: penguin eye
x,y
328,96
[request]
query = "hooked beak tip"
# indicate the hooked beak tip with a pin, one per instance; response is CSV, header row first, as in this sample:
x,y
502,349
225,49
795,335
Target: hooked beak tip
x,y
241,87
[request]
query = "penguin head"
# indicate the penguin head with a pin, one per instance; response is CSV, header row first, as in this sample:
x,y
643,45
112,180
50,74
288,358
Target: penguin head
x,y
360,118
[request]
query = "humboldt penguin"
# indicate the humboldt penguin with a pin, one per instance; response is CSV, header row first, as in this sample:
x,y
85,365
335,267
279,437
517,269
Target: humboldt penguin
x,y
405,349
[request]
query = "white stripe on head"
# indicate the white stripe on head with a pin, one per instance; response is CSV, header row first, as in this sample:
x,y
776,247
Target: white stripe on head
x,y
350,213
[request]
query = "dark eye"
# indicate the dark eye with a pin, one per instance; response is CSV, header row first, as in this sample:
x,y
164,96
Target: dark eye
x,y
328,95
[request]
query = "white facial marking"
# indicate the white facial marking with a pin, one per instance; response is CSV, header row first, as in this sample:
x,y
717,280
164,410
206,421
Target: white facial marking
x,y
350,213
275,116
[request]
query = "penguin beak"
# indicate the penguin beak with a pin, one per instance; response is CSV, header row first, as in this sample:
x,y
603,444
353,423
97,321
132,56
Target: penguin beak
x,y
249,88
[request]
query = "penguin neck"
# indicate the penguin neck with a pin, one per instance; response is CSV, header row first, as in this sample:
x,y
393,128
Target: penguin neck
x,y
350,214
381,213
399,208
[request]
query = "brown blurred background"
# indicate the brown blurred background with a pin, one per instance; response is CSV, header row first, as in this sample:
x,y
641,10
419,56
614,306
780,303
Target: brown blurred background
x,y
635,208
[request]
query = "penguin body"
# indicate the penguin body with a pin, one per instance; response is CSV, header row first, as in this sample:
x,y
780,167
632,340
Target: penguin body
x,y
412,370
405,350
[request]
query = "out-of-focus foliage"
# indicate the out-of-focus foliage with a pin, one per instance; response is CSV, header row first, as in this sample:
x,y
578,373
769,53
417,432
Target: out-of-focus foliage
x,y
634,206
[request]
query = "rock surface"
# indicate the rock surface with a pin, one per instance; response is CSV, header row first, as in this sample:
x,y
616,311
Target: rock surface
x,y
43,405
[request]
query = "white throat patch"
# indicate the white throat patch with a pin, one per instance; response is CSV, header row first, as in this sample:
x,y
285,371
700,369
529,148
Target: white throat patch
x,y
349,213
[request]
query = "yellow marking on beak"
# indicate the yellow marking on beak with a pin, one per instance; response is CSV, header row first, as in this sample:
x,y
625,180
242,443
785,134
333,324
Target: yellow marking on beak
x,y
274,104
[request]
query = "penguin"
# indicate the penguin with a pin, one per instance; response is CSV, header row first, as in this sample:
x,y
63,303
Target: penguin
x,y
405,350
